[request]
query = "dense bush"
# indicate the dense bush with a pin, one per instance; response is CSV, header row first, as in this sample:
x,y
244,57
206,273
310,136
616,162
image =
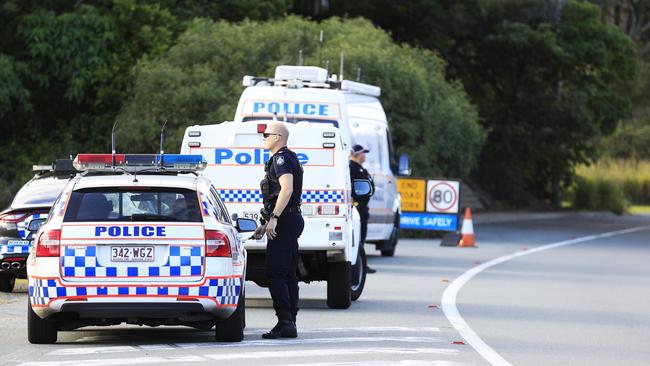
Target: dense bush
x,y
198,81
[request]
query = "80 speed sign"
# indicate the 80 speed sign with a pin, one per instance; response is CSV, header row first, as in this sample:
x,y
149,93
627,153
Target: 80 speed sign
x,y
443,196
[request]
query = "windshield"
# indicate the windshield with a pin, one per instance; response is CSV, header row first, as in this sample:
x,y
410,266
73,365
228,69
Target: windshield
x,y
294,120
128,204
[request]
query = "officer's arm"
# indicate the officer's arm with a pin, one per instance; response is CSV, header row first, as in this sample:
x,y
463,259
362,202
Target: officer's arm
x,y
286,188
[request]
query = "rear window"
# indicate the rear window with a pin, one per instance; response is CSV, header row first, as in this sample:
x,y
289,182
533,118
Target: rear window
x,y
128,204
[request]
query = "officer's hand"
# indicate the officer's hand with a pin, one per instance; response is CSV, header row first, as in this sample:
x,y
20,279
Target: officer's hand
x,y
259,232
270,228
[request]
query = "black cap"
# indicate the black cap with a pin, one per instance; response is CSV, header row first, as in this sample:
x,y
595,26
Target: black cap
x,y
358,149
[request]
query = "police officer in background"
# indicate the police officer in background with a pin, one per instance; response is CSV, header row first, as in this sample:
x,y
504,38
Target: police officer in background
x,y
282,223
357,171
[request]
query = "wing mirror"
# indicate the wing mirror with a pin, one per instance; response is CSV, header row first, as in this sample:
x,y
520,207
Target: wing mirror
x,y
362,188
244,225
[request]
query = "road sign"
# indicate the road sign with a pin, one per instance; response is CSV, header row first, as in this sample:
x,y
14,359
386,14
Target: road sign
x,y
412,192
443,196
428,221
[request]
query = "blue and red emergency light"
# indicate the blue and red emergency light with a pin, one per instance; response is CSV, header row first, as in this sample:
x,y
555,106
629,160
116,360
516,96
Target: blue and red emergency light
x,y
136,162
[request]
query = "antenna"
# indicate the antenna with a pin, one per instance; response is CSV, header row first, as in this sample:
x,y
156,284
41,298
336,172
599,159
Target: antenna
x,y
342,64
300,57
162,142
320,46
112,145
358,74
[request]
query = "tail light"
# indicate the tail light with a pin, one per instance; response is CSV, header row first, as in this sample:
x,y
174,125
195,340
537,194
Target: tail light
x,y
216,244
49,244
328,210
10,220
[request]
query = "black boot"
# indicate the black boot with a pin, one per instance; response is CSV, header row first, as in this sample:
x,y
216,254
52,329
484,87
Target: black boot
x,y
284,329
370,270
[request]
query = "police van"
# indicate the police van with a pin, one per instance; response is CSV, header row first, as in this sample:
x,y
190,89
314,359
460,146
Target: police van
x,y
329,244
307,93
132,239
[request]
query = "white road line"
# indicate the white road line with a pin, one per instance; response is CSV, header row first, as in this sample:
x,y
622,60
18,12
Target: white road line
x,y
77,351
401,352
449,296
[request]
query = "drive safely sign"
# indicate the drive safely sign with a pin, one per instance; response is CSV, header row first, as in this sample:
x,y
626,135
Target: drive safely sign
x,y
429,204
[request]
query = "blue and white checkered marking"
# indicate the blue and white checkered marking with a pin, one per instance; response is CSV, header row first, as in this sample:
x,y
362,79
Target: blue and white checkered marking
x,y
83,262
225,291
15,247
255,196
24,225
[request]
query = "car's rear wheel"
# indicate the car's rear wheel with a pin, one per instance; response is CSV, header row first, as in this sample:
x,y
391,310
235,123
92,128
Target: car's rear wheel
x,y
339,291
7,283
39,331
232,329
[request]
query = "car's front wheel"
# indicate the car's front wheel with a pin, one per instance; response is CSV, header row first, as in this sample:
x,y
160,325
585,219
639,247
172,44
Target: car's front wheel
x,y
232,329
39,331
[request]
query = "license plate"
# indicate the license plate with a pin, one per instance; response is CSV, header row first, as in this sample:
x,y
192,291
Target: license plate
x,y
132,254
252,215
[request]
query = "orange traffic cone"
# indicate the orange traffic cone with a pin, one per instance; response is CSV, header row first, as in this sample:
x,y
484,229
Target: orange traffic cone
x,y
467,231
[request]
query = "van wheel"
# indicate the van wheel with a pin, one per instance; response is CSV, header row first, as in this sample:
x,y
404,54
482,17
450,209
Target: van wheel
x,y
39,331
359,275
390,244
7,283
232,329
339,291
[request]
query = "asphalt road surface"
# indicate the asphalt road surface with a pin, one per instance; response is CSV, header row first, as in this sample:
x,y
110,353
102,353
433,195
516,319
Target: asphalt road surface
x,y
513,300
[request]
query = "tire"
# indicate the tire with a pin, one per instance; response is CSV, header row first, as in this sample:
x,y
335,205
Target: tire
x,y
39,331
390,245
339,292
232,329
7,283
358,273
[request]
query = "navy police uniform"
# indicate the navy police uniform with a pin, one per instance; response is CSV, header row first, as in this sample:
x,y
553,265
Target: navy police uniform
x,y
359,172
282,251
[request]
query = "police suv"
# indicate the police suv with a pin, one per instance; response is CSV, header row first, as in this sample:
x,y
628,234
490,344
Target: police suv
x,y
329,244
133,240
308,93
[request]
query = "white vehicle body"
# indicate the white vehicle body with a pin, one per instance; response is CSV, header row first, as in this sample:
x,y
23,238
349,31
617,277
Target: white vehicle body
x,y
300,93
236,158
87,283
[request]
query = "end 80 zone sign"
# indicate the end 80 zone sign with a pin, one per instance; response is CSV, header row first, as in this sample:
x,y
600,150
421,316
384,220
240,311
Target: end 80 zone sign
x,y
443,196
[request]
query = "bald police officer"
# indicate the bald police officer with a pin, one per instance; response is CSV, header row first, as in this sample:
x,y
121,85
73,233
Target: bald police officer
x,y
283,224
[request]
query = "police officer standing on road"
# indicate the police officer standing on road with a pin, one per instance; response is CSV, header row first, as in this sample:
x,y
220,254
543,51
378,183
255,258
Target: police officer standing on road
x,y
282,224
357,171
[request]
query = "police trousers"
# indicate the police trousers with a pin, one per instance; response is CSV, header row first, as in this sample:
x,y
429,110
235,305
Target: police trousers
x,y
282,265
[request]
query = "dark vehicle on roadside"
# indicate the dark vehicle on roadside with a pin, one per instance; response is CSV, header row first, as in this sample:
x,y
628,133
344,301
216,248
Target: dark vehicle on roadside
x,y
26,214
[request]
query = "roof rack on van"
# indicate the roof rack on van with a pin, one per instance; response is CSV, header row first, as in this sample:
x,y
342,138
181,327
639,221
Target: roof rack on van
x,y
310,77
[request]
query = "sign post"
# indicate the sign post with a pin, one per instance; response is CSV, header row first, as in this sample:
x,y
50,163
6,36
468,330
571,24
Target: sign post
x,y
429,204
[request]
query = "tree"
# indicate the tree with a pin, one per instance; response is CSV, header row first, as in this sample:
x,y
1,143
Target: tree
x,y
198,81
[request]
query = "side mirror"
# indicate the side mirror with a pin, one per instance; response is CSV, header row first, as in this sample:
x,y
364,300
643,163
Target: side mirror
x,y
244,225
404,169
362,188
35,224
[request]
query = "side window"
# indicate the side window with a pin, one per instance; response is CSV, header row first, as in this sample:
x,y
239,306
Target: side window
x,y
223,212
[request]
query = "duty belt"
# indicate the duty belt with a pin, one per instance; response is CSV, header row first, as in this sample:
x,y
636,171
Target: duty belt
x,y
288,210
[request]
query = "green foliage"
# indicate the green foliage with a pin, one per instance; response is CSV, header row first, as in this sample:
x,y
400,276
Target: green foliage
x,y
599,195
198,81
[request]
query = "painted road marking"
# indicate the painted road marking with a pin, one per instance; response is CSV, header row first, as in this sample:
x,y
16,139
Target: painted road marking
x,y
283,355
450,294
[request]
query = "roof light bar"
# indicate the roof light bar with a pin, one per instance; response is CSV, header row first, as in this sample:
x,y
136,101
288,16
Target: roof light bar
x,y
138,162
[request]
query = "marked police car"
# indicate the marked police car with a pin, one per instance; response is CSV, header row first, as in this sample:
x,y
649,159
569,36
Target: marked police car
x,y
133,240
24,217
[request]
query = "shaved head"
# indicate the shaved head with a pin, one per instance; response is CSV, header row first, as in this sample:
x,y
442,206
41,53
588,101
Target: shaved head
x,y
278,135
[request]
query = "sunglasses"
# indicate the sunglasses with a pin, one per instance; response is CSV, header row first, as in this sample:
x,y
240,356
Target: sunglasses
x,y
265,134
